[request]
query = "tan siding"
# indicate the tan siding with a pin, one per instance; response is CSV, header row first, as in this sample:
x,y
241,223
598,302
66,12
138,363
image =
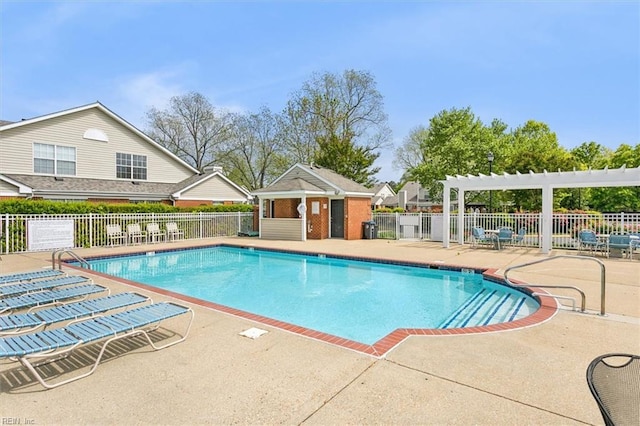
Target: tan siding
x,y
94,159
214,189
281,229
7,189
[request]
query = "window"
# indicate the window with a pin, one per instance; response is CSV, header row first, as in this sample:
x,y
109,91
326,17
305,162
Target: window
x,y
54,159
131,166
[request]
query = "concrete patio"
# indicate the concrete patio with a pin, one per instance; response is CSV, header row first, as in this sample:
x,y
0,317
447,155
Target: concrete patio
x,y
533,375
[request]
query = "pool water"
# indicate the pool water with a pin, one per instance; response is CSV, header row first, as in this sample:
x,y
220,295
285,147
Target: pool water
x,y
356,300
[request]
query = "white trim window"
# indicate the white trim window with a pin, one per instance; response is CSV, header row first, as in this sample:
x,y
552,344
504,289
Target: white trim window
x,y
131,166
54,159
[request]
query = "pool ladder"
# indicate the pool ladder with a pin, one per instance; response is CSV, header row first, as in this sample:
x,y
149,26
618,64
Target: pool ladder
x,y
76,256
583,297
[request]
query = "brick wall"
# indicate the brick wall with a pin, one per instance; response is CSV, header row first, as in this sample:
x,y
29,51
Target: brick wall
x,y
192,203
356,211
319,222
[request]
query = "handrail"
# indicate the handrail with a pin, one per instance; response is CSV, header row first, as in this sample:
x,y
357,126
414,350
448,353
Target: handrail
x,y
76,256
566,256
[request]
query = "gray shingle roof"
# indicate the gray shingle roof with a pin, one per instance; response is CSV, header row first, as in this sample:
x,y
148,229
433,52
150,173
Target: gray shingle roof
x,y
345,184
291,185
73,185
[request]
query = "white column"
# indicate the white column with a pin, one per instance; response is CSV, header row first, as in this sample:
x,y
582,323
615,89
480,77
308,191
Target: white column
x,y
547,218
446,206
260,213
460,216
304,218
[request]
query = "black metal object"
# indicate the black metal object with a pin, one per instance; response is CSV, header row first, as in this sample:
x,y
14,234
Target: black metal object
x,y
614,381
369,230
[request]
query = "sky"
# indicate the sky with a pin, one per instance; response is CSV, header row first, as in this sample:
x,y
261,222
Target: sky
x,y
574,65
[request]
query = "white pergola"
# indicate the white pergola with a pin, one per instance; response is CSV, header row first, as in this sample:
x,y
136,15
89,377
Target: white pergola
x,y
547,181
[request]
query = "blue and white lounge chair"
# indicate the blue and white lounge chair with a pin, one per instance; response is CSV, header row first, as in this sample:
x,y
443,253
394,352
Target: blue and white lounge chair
x,y
31,275
505,235
49,345
39,285
49,297
31,321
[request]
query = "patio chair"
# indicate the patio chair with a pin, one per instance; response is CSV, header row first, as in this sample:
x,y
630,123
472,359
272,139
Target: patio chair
x,y
49,297
505,235
33,286
154,233
50,345
479,237
587,239
135,234
31,321
518,239
29,276
116,234
173,232
620,242
614,382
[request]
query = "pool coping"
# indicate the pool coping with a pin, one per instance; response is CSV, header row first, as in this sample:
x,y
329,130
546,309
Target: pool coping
x,y
548,305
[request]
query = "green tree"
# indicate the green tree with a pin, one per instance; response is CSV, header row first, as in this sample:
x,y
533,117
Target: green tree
x,y
345,158
617,199
534,147
455,143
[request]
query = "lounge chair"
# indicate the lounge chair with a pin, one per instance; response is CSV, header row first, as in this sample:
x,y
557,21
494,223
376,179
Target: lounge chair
x,y
154,233
29,276
479,237
173,232
29,322
614,382
33,286
634,244
49,297
49,345
505,235
116,234
587,239
135,234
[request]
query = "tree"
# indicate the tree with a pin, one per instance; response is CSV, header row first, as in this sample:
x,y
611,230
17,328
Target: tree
x,y
346,159
254,156
410,154
345,109
619,199
455,143
191,128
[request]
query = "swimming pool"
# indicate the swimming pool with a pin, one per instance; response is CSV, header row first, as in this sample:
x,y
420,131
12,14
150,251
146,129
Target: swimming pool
x,y
361,301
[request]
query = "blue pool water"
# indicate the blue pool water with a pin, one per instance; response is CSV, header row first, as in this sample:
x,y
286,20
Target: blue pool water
x,y
361,301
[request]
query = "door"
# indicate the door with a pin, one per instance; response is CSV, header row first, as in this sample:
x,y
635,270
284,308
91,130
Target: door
x,y
337,218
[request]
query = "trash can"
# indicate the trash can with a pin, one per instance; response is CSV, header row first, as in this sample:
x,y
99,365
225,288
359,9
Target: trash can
x,y
369,230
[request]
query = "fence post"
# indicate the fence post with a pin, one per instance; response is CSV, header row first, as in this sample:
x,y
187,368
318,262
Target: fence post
x,y
622,223
201,224
90,229
397,226
239,223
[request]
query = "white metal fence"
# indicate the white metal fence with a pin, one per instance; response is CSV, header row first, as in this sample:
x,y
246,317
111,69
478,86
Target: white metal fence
x,y
90,229
565,227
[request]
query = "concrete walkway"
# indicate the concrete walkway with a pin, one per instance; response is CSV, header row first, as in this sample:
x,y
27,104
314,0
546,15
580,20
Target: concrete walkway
x,y
534,375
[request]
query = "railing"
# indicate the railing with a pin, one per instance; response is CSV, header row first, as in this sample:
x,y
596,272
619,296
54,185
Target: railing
x,y
565,227
603,280
71,253
90,229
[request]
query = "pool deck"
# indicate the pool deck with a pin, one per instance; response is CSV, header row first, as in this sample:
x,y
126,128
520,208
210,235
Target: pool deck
x,y
532,375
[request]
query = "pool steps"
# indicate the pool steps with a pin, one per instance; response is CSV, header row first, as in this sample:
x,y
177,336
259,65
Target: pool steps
x,y
486,307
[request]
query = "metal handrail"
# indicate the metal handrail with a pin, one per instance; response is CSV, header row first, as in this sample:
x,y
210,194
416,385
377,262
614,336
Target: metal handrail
x,y
76,256
566,256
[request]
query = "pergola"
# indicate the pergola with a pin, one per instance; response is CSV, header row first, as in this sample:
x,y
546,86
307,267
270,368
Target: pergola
x,y
547,181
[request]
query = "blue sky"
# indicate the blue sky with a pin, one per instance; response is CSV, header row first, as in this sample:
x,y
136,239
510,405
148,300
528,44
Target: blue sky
x,y
571,64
